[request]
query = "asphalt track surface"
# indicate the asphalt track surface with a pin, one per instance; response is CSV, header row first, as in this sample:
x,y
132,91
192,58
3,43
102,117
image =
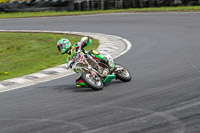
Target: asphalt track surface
x,y
163,97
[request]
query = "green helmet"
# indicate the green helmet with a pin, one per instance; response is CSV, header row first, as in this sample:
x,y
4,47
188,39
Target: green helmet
x,y
64,46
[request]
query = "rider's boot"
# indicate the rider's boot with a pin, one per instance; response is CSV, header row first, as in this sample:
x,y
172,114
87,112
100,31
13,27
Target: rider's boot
x,y
80,83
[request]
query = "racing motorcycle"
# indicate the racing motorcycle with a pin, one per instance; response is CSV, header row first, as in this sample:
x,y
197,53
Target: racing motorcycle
x,y
95,73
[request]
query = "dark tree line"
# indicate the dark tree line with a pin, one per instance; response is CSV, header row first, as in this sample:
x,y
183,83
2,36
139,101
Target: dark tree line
x,y
119,4
70,5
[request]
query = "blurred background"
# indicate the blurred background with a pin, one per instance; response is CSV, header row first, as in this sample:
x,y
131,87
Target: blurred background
x,y
81,5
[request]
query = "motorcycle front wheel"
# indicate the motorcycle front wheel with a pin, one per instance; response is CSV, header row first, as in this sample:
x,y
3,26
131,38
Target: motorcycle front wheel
x,y
94,83
123,75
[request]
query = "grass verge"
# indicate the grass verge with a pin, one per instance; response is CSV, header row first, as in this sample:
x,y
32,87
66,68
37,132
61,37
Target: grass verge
x,y
65,13
25,53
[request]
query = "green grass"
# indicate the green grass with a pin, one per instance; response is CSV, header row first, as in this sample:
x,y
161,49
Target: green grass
x,y
65,13
25,53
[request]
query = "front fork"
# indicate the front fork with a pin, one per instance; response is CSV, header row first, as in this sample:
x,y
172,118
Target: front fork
x,y
90,69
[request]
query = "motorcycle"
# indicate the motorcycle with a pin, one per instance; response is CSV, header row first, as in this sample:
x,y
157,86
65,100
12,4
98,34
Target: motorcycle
x,y
95,73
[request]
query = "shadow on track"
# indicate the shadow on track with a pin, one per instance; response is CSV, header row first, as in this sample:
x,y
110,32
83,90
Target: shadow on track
x,y
71,87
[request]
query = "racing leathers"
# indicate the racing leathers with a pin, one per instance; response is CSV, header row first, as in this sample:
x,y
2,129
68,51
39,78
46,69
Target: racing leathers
x,y
94,53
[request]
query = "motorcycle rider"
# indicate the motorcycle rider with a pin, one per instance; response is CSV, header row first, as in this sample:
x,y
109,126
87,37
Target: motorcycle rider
x,y
65,47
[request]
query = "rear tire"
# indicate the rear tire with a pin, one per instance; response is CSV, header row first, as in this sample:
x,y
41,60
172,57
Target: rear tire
x,y
123,75
94,84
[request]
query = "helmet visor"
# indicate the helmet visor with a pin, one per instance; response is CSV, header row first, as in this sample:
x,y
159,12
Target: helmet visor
x,y
61,47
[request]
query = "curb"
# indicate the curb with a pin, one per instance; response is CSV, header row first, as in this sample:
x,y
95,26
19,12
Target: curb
x,y
109,44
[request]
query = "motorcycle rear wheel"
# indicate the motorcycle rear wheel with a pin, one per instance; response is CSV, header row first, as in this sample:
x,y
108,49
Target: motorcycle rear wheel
x,y
91,82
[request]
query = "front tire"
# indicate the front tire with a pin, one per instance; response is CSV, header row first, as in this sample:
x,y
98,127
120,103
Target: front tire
x,y
92,83
123,75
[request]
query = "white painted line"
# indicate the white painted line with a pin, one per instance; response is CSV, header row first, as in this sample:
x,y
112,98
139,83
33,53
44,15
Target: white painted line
x,y
1,86
39,75
128,44
61,70
19,80
113,47
103,52
50,69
